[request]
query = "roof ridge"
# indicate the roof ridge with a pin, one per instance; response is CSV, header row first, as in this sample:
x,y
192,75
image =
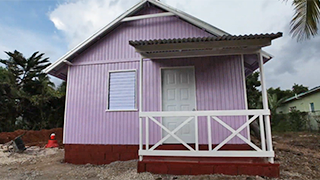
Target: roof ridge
x,y
302,94
58,64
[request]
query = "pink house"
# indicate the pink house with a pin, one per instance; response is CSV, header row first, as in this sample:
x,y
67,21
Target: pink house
x,y
161,86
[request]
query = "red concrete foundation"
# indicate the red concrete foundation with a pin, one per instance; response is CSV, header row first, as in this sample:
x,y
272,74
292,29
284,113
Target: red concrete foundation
x,y
198,166
105,154
205,165
99,154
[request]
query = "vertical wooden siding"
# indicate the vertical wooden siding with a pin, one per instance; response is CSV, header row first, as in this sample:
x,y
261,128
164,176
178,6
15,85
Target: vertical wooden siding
x,y
218,81
115,46
219,87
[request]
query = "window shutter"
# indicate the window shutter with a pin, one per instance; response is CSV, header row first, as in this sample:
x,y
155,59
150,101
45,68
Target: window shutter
x,y
122,90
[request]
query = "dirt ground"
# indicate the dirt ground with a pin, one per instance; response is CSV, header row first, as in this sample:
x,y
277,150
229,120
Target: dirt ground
x,y
297,153
32,138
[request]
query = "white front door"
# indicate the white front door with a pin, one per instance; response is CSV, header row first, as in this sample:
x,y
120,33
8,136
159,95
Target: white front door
x,y
178,94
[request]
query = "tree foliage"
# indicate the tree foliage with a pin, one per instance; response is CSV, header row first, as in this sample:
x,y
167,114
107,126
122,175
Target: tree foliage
x,y
297,89
276,97
305,22
253,93
29,99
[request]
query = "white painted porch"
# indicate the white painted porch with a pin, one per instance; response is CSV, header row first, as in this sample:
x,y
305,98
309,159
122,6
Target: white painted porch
x,y
187,48
265,150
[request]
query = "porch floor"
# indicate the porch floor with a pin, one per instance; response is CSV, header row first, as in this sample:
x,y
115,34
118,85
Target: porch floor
x,y
208,165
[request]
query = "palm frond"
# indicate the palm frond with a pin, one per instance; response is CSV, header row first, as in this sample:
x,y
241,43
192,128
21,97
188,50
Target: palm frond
x,y
304,24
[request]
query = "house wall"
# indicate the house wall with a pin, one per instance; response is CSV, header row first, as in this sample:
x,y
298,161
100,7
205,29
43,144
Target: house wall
x,y
115,46
303,104
219,84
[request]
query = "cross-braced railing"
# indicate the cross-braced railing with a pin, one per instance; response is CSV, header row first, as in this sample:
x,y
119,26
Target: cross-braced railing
x,y
265,150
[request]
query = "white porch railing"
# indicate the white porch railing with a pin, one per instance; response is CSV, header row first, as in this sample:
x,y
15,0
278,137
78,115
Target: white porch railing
x,y
265,150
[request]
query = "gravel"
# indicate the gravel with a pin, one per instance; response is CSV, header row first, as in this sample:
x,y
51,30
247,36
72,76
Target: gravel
x,y
297,153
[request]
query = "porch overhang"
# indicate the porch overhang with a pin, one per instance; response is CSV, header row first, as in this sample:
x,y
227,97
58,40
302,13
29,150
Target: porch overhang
x,y
248,45
206,46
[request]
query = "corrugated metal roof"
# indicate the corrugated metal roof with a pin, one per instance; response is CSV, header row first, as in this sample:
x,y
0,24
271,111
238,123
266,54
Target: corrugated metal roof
x,y
315,89
102,32
205,39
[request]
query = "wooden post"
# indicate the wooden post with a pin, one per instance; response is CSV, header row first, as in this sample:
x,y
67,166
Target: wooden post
x,y
245,93
265,106
196,132
141,85
147,133
140,107
209,133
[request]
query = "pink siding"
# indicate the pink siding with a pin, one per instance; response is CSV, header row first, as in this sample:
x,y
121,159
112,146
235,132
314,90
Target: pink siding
x,y
115,46
219,87
219,84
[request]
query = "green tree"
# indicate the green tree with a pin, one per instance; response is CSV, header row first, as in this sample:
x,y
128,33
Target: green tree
x,y
281,94
305,22
253,94
57,107
8,110
29,97
297,89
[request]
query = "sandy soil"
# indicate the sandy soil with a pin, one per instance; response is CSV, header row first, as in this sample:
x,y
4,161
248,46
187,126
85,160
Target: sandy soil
x,y
32,138
297,153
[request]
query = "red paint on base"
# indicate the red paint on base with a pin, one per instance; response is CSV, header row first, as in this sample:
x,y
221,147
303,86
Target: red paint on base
x,y
105,154
99,154
204,165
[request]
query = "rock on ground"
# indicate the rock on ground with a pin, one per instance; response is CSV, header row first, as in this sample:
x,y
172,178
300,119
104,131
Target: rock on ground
x,y
297,153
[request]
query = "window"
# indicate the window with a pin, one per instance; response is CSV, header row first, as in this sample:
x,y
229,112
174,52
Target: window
x,y
312,107
122,90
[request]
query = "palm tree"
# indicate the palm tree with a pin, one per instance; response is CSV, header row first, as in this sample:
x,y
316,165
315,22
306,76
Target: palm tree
x,y
305,22
29,87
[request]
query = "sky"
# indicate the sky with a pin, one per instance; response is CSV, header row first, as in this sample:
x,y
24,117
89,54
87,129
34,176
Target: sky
x,y
54,27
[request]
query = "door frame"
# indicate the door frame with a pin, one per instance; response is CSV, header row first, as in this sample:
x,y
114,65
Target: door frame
x,y
195,87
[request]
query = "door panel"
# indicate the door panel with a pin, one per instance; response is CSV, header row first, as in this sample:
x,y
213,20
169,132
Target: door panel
x,y
178,94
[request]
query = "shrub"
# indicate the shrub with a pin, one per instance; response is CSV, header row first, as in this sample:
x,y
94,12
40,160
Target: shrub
x,y
293,121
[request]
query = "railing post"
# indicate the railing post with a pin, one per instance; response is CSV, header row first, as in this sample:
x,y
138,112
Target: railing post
x,y
209,133
245,93
140,137
269,136
265,106
196,132
140,107
147,133
263,137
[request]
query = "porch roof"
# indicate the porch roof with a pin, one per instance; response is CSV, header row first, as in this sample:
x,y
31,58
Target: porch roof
x,y
203,46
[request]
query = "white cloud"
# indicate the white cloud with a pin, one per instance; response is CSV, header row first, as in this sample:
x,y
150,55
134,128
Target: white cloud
x,y
80,19
293,63
28,42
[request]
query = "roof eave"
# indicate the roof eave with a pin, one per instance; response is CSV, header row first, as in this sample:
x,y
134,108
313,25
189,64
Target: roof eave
x,y
302,94
94,36
193,20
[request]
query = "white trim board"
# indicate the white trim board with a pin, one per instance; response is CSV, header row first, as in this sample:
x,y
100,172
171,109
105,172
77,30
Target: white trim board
x,y
192,20
65,108
102,32
134,18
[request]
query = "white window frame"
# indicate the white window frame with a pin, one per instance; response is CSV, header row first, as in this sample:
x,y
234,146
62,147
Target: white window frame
x,y
135,93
